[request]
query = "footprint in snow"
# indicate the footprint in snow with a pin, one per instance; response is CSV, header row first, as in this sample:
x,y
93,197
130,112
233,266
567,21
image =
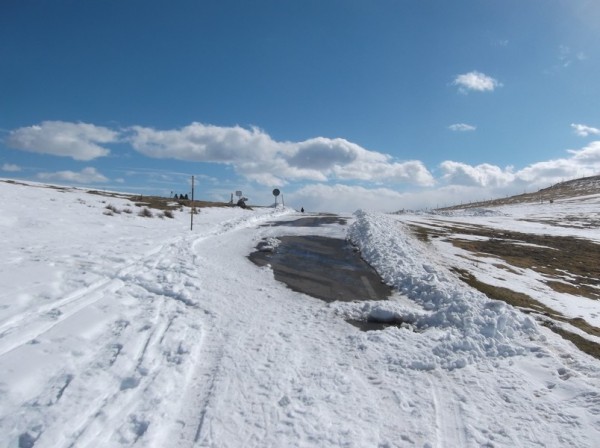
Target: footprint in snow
x,y
129,383
563,373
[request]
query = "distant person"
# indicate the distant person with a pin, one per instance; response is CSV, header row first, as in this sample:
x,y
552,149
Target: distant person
x,y
302,209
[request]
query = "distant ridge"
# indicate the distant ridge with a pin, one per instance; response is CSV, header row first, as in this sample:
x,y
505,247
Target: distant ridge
x,y
570,189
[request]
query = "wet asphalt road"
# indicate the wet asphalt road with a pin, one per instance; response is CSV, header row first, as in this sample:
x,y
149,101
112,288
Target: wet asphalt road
x,y
326,268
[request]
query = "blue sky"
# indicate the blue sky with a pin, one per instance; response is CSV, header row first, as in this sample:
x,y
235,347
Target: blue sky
x,y
340,104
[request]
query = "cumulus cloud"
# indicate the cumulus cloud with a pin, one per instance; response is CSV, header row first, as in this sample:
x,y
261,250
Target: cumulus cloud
x,y
581,162
79,141
484,175
461,127
475,81
256,156
10,167
587,156
87,175
583,131
203,143
322,154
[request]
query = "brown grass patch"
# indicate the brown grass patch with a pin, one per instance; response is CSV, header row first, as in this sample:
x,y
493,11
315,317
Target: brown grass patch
x,y
516,299
583,344
572,260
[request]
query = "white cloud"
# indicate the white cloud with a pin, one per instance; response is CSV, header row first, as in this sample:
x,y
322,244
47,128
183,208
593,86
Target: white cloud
x,y
256,156
566,56
484,175
10,167
85,176
203,143
581,162
583,131
462,127
500,42
476,81
587,156
76,140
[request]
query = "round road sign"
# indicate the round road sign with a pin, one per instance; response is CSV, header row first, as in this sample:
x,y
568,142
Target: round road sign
x,y
276,192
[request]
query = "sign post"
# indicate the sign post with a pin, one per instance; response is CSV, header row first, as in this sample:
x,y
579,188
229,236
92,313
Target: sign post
x,y
276,193
192,208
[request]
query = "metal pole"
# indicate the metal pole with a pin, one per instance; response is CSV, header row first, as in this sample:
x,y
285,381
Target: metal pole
x,y
192,209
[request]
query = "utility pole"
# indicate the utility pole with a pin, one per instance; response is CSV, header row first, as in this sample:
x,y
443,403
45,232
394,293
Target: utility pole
x,y
192,208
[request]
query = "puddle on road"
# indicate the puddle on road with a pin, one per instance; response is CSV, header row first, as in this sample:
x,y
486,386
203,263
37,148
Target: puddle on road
x,y
310,221
326,268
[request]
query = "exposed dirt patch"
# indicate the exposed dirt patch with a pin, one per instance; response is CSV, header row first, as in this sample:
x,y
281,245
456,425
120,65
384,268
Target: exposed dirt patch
x,y
583,344
372,324
569,264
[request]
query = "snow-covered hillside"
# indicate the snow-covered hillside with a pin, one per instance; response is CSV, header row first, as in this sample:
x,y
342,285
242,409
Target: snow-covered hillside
x,y
121,330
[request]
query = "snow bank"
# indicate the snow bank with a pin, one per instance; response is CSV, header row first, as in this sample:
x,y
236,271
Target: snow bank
x,y
474,325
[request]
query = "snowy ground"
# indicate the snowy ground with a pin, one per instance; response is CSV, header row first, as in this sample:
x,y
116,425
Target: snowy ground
x,y
120,331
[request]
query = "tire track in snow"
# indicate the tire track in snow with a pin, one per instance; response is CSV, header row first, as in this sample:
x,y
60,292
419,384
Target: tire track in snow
x,y
199,388
28,326
449,423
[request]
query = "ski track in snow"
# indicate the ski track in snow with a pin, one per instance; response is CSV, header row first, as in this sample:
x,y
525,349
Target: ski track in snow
x,y
181,341
26,326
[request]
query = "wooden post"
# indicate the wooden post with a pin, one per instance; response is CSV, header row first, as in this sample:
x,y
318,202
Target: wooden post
x,y
192,208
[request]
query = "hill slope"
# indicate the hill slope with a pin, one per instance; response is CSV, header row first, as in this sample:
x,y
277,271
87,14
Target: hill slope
x,y
575,189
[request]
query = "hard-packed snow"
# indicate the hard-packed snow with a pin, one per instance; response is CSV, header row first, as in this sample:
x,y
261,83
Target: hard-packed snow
x,y
119,331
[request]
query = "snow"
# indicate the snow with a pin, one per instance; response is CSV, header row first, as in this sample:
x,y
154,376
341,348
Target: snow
x,y
119,331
